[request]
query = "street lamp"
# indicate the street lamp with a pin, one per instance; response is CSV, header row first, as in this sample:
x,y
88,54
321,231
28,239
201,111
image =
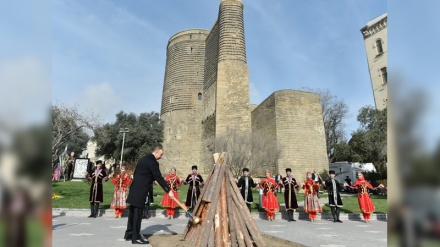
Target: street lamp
x,y
340,173
122,130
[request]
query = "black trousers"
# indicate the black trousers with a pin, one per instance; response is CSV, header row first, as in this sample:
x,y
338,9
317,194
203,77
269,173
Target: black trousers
x,y
134,223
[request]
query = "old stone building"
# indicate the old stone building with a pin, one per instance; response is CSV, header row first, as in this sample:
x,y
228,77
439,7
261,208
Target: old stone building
x,y
376,47
206,93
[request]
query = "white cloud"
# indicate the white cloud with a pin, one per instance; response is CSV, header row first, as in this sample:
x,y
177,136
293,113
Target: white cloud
x,y
101,99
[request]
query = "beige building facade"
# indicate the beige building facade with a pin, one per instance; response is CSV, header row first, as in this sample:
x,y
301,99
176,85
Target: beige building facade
x,y
376,47
206,93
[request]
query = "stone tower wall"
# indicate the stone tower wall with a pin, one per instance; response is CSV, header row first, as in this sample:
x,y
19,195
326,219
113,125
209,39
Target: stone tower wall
x,y
264,124
232,96
181,103
299,129
209,94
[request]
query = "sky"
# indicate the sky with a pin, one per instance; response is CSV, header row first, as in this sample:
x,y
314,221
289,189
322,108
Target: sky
x,y
110,56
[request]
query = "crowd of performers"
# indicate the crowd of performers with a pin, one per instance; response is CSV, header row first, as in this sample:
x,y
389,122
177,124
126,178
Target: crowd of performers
x,y
268,185
122,183
310,185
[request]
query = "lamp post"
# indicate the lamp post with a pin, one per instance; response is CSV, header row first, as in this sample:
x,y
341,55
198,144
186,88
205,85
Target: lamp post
x,y
340,173
122,130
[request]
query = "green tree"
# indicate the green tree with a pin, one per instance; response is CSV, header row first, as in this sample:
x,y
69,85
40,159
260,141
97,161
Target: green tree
x,y
78,142
342,152
334,113
145,132
369,142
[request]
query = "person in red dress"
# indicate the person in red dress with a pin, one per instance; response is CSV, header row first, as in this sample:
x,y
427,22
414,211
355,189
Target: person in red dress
x,y
173,182
365,203
311,202
270,202
121,182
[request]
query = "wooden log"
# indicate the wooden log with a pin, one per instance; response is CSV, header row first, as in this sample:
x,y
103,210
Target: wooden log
x,y
217,225
238,232
197,209
243,229
231,218
193,234
208,222
207,197
211,240
226,239
245,214
199,201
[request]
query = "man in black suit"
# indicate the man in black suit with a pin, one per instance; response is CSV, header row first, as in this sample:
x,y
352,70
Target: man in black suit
x,y
146,172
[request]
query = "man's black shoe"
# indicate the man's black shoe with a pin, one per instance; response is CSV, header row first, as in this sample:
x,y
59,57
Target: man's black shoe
x,y
139,241
340,221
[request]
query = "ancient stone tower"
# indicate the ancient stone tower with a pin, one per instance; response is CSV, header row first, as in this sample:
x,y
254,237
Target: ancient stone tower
x,y
226,88
182,98
206,94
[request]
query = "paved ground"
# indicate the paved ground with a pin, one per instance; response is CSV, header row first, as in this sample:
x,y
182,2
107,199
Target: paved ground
x,y
73,231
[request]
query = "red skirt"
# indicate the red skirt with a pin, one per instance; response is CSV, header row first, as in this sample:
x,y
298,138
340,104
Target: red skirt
x,y
270,202
365,203
168,202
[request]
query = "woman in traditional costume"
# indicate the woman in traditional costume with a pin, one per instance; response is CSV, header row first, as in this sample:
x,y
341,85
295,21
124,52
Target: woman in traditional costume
x,y
311,202
365,203
121,182
270,202
173,182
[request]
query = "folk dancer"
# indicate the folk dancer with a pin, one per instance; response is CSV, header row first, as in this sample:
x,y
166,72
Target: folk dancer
x,y
334,198
195,181
365,203
56,171
270,202
70,166
173,182
289,183
96,191
311,202
246,183
122,181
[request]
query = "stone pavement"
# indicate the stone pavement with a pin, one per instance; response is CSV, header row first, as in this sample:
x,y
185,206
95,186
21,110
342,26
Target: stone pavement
x,y
72,228
73,231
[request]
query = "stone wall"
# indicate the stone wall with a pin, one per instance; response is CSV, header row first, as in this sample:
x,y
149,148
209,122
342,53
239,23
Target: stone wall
x,y
182,99
294,118
209,99
232,97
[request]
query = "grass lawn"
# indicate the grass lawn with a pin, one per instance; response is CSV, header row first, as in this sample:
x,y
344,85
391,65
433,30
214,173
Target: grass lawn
x,y
351,204
76,195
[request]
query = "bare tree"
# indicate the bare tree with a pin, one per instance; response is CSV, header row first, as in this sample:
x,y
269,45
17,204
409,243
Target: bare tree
x,y
255,151
334,112
67,122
